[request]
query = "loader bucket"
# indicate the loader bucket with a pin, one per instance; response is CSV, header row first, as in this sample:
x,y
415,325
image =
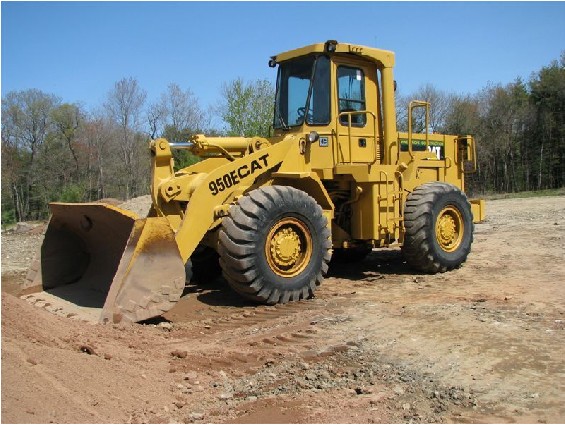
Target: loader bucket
x,y
104,259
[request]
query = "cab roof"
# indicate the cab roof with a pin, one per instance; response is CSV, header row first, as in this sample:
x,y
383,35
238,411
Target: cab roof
x,y
383,57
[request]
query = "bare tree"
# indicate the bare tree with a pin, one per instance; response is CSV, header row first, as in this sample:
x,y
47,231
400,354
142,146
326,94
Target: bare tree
x,y
67,120
98,133
439,107
183,109
156,118
25,124
401,104
124,105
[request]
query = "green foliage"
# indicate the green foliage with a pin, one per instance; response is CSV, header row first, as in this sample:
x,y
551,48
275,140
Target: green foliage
x,y
72,193
8,217
26,125
520,132
184,159
247,107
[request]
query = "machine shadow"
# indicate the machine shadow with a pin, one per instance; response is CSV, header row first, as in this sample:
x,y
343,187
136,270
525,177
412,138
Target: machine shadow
x,y
388,261
380,263
216,293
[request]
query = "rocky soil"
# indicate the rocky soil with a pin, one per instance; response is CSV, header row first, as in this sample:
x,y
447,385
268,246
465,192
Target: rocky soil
x,y
378,343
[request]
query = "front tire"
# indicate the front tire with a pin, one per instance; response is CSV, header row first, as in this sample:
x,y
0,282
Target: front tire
x,y
275,245
438,226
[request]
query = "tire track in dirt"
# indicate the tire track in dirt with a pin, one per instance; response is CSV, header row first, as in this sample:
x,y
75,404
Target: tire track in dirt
x,y
54,383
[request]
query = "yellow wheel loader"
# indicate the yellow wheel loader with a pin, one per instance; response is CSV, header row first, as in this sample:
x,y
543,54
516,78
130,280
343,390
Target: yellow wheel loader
x,y
336,176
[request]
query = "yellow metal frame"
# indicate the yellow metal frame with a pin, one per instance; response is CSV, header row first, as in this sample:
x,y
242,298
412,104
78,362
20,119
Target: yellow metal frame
x,y
195,199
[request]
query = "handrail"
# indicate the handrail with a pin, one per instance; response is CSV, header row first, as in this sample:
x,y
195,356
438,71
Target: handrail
x,y
349,114
412,105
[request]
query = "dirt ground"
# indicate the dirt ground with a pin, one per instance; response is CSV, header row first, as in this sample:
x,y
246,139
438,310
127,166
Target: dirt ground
x,y
378,343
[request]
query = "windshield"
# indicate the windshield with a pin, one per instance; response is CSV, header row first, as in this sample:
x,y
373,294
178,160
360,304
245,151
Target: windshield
x,y
297,99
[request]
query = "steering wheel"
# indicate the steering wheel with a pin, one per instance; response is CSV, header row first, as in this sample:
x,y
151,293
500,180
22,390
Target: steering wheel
x,y
301,112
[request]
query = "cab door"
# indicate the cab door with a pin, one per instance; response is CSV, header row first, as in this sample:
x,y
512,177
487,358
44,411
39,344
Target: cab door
x,y
356,113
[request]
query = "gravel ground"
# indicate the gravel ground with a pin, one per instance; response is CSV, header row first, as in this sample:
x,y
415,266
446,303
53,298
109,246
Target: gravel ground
x,y
378,344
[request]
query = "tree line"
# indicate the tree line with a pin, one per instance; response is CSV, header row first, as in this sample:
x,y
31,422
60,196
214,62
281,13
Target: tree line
x,y
519,129
56,151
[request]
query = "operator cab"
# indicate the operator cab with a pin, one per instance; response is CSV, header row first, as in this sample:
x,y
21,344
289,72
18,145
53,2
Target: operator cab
x,y
333,89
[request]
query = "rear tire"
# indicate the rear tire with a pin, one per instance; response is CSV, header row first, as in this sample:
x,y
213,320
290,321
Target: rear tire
x,y
275,245
438,228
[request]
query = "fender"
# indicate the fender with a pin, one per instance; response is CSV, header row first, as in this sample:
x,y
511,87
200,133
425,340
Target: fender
x,y
218,185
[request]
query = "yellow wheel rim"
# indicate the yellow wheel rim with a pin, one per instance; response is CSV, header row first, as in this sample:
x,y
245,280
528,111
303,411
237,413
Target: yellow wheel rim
x,y
449,229
288,247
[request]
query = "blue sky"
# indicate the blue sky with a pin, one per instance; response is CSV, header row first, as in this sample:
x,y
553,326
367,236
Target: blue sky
x,y
78,50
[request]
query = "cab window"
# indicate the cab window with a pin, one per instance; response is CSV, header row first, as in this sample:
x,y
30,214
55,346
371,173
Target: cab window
x,y
351,93
319,107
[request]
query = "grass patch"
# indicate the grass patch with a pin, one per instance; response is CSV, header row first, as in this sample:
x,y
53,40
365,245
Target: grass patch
x,y
528,194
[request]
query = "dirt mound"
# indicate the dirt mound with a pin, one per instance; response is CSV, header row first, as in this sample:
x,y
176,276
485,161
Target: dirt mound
x,y
58,370
111,201
139,205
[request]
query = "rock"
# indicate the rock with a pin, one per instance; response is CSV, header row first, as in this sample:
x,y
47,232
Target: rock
x,y
181,354
377,398
399,390
196,416
23,227
225,396
87,349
